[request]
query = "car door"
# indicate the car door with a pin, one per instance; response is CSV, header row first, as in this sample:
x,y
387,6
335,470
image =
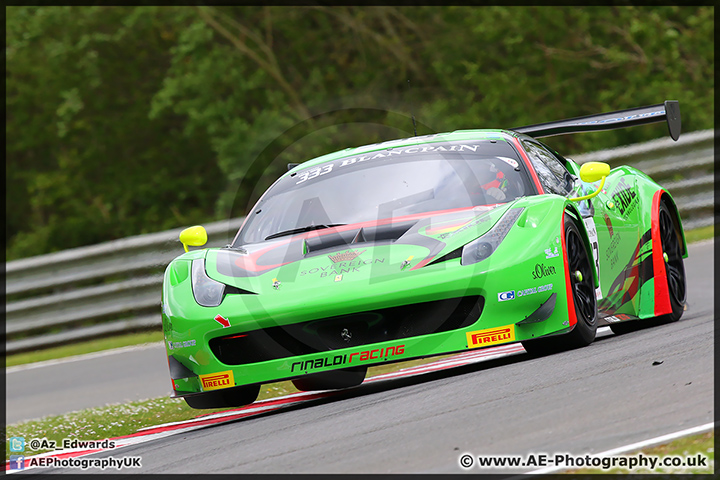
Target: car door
x,y
611,219
621,243
556,178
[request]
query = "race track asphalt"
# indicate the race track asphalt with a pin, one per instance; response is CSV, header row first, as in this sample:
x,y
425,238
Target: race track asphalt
x,y
619,390
93,380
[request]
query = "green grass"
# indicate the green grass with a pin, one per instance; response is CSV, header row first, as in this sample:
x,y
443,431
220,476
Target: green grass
x,y
123,419
84,347
101,422
698,234
690,446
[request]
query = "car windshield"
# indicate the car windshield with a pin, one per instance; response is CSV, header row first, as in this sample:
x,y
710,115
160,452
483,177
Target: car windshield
x,y
387,184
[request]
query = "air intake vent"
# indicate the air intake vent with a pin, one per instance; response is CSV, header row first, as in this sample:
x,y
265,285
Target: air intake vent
x,y
357,329
380,233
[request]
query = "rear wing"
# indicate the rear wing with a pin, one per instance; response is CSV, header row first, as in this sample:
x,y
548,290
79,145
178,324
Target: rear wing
x,y
668,111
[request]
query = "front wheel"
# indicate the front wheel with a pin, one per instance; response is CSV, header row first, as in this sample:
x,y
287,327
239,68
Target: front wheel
x,y
583,295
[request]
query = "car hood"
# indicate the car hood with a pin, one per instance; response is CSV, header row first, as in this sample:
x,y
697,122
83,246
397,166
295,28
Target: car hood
x,y
351,252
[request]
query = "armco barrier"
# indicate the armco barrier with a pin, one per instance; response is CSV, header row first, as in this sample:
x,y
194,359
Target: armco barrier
x,y
685,168
114,287
108,288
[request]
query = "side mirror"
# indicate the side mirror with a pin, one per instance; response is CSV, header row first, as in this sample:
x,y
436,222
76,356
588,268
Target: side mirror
x,y
592,172
194,236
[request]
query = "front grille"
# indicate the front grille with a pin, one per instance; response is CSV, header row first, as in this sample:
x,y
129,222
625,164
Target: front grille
x,y
343,331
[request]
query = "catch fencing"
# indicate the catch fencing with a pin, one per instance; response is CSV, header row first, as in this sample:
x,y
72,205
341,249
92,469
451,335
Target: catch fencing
x,y
114,287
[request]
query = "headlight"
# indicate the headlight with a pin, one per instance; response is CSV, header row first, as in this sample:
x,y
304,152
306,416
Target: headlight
x,y
207,292
481,248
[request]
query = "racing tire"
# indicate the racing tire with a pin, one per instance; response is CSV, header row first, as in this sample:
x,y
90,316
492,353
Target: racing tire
x,y
671,240
583,294
333,380
225,398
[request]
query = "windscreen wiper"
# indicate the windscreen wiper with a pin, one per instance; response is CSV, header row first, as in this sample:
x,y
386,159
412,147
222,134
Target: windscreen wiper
x,y
302,229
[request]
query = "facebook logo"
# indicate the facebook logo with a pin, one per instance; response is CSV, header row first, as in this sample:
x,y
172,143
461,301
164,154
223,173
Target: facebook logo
x,y
17,444
17,462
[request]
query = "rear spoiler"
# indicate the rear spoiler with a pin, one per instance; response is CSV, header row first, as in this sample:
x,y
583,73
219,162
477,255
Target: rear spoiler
x,y
668,111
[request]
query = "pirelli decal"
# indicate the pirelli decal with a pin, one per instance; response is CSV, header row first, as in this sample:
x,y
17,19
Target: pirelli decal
x,y
491,336
214,381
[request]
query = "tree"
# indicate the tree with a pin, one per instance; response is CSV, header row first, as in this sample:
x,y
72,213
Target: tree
x,y
124,120
85,163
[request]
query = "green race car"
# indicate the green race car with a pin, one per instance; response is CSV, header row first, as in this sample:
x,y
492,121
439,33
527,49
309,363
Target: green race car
x,y
423,246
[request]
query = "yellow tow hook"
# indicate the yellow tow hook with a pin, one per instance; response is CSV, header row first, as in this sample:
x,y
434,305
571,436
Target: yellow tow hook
x,y
665,257
578,275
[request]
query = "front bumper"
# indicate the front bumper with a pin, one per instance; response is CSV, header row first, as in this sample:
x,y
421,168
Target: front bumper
x,y
195,340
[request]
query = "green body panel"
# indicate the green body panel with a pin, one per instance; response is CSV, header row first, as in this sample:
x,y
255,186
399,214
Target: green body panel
x,y
623,219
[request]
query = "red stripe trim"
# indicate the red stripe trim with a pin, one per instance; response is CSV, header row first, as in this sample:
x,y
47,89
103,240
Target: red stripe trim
x,y
423,263
249,262
529,166
572,317
389,220
662,294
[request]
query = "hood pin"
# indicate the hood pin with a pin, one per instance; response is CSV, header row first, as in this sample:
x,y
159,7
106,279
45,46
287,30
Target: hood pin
x,y
405,263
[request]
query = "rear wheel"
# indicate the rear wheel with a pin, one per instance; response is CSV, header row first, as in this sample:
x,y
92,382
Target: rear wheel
x,y
225,398
583,295
671,239
333,380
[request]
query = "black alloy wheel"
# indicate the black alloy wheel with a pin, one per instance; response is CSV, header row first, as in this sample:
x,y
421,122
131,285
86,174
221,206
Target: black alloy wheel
x,y
583,290
674,268
582,282
583,295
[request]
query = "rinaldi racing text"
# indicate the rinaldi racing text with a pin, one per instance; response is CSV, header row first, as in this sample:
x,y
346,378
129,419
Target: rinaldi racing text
x,y
343,359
